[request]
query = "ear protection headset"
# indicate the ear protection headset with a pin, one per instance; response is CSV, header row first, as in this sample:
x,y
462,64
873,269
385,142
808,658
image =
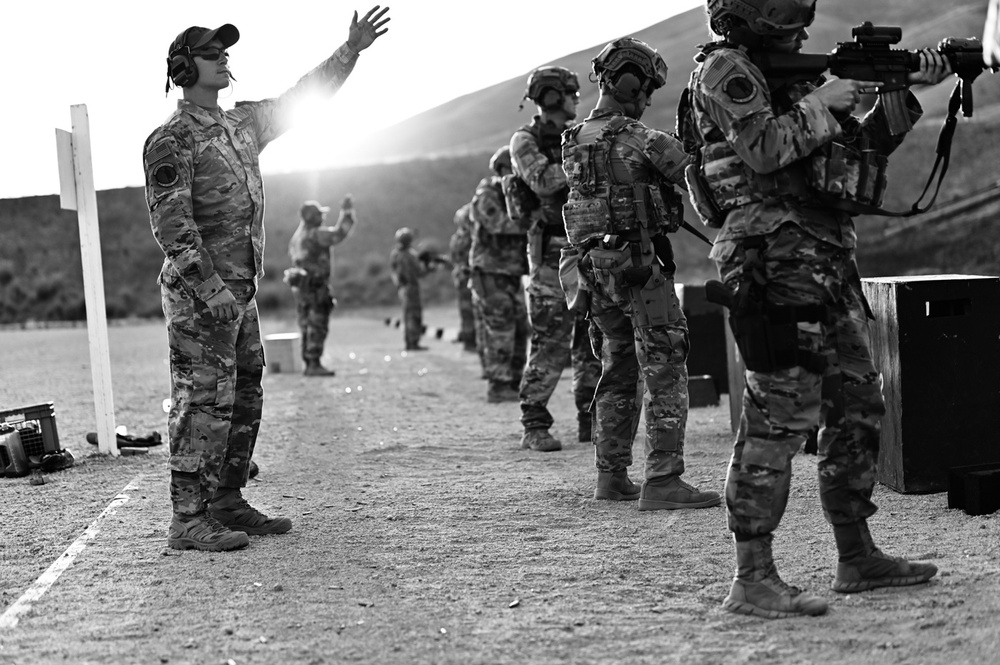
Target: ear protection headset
x,y
181,68
552,99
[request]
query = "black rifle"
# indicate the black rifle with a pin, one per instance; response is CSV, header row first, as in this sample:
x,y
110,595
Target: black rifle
x,y
428,257
869,58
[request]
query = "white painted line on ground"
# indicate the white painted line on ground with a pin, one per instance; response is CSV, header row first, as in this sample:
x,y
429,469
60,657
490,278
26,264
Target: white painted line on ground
x,y
13,614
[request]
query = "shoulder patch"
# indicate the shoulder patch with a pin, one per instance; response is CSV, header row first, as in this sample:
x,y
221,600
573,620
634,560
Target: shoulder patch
x,y
716,71
165,174
740,88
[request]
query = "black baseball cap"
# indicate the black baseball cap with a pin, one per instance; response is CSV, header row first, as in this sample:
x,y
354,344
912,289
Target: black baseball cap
x,y
196,37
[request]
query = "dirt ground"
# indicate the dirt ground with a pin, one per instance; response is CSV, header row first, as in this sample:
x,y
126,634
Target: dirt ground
x,y
423,534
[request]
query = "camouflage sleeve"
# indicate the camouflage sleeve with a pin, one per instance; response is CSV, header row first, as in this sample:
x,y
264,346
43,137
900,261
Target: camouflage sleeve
x,y
735,96
168,162
666,152
533,166
488,210
273,117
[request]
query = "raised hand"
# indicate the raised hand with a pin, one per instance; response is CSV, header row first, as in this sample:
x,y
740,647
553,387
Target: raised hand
x,y
367,30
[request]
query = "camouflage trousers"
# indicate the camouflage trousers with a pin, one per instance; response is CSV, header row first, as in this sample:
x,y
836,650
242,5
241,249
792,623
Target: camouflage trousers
x,y
413,314
558,338
635,354
313,305
216,394
782,407
499,301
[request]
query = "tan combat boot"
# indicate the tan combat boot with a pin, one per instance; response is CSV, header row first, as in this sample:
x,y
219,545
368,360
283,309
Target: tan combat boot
x,y
203,532
540,440
863,566
615,486
672,493
233,512
315,368
759,591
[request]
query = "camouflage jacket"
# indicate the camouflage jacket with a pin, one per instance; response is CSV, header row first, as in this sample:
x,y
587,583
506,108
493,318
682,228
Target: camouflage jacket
x,y
536,157
407,268
499,245
309,247
745,131
203,183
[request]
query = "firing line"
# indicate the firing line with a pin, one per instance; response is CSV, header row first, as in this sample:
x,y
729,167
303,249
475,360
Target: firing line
x,y
13,614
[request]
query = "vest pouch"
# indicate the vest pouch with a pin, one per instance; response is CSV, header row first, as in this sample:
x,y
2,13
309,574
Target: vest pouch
x,y
609,266
701,198
585,219
521,201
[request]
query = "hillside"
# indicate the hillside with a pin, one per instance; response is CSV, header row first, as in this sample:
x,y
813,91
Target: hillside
x,y
432,162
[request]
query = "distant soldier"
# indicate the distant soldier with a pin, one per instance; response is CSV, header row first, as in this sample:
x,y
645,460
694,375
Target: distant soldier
x,y
622,204
780,167
407,269
309,250
537,163
206,209
498,260
458,251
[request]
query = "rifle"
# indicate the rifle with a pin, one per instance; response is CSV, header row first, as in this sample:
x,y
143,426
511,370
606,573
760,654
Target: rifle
x,y
869,58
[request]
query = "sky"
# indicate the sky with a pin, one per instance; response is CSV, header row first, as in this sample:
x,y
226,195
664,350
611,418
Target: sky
x,y
110,55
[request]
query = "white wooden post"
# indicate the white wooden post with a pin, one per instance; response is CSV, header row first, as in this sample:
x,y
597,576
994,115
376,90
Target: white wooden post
x,y
76,192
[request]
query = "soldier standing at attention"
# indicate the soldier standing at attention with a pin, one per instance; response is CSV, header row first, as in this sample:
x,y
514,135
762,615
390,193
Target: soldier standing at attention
x,y
622,204
499,259
407,269
773,156
309,250
206,209
558,334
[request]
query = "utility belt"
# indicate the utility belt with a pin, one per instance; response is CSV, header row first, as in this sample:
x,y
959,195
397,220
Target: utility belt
x,y
630,271
838,176
622,209
766,334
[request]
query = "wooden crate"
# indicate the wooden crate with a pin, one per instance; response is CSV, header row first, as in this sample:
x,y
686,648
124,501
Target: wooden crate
x,y
936,343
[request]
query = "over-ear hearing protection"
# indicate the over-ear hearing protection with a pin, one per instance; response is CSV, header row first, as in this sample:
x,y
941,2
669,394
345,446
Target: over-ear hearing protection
x,y
181,68
627,88
552,99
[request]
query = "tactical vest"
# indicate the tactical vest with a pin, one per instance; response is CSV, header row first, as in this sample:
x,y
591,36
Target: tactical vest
x,y
837,175
599,205
522,200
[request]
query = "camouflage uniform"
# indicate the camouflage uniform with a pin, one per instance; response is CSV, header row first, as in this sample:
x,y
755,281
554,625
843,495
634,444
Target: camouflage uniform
x,y
498,259
206,206
309,249
458,249
806,248
407,270
558,335
609,157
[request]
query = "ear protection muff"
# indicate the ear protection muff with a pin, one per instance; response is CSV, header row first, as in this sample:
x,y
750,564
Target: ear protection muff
x,y
552,99
181,68
627,88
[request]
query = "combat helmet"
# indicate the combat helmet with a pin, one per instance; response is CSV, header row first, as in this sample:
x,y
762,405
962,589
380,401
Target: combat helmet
x,y
549,85
765,18
501,158
404,236
631,51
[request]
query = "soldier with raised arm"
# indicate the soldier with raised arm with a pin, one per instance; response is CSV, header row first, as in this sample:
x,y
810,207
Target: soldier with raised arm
x,y
206,208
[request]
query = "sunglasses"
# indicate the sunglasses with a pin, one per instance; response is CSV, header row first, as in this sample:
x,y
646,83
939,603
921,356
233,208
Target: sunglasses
x,y
211,53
